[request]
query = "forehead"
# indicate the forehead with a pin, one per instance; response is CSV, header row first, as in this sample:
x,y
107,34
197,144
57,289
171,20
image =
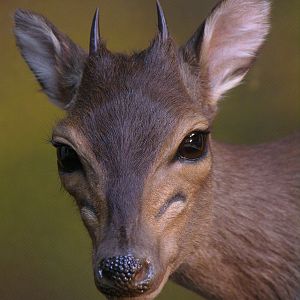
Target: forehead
x,y
125,130
127,106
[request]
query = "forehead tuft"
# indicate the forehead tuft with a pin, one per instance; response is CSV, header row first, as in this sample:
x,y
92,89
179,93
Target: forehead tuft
x,y
155,70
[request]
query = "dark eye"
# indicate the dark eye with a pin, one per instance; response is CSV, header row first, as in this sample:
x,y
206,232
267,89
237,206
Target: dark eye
x,y
193,146
67,159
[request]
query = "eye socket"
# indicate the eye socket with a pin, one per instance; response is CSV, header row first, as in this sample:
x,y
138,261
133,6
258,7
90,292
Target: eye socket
x,y
67,159
193,147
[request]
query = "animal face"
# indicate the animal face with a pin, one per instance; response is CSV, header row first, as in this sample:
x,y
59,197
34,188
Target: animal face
x,y
134,148
133,158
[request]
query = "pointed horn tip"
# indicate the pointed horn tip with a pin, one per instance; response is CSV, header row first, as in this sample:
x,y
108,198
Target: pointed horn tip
x,y
95,35
97,13
95,23
158,3
159,9
162,24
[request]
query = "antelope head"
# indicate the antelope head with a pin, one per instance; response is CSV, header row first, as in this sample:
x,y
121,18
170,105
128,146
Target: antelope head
x,y
134,148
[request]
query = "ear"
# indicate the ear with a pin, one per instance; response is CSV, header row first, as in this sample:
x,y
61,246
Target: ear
x,y
227,43
55,60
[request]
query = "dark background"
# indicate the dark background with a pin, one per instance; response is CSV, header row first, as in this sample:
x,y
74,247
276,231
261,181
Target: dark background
x,y
44,248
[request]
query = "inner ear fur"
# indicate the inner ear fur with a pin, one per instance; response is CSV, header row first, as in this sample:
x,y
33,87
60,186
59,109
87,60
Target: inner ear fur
x,y
226,44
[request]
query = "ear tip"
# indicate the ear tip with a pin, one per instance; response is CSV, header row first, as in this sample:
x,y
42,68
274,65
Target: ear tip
x,y
265,5
24,17
21,13
268,6
20,18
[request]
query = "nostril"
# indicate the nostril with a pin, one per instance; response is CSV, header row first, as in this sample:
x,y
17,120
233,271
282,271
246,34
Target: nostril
x,y
142,273
124,275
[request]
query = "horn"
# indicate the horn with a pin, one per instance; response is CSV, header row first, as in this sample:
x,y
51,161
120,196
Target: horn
x,y
162,24
95,34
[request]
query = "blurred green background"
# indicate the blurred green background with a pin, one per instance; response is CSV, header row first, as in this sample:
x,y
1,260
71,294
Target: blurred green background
x,y
44,248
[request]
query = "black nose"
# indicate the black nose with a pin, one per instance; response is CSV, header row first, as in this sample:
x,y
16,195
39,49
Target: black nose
x,y
124,276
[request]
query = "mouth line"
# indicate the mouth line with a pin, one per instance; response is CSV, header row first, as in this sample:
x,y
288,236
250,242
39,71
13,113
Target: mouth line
x,y
123,291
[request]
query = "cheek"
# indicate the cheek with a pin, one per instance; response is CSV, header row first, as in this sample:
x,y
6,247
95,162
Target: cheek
x,y
186,179
169,246
87,194
168,228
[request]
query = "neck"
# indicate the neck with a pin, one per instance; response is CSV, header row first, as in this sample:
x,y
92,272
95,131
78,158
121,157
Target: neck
x,y
252,250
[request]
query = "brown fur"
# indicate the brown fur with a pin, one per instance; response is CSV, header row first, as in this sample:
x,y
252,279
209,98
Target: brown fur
x,y
226,226
253,248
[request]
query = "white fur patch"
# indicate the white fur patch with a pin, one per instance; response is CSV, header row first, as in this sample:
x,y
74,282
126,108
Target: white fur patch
x,y
89,217
232,36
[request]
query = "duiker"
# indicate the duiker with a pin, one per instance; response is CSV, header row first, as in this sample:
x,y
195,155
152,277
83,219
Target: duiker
x,y
159,197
